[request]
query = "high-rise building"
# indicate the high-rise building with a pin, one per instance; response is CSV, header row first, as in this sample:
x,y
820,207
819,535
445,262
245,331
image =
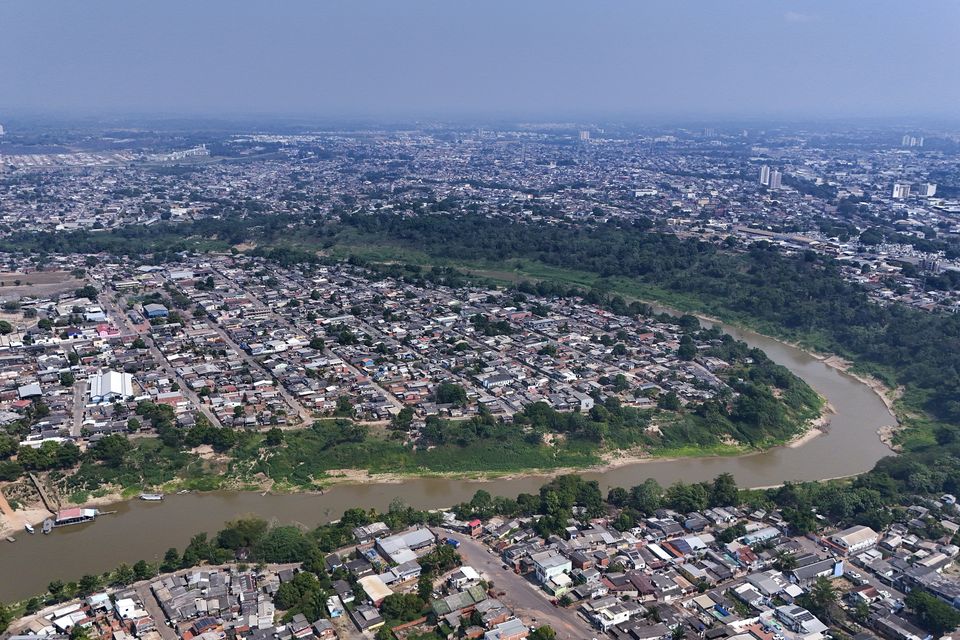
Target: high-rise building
x,y
905,142
1,130
584,135
901,191
765,175
928,190
775,179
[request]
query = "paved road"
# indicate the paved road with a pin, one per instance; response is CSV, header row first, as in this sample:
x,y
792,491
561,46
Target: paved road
x,y
528,602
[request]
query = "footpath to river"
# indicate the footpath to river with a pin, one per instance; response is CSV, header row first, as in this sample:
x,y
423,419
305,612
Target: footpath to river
x,y
145,530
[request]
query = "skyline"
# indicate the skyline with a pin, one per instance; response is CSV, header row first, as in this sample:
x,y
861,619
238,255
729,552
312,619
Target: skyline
x,y
753,60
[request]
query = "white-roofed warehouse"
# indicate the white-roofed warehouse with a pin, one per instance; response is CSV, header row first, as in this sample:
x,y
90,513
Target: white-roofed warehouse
x,y
110,386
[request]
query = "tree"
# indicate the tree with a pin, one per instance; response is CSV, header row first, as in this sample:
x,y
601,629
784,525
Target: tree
x,y
545,632
56,589
344,407
669,401
820,599
686,497
244,533
10,470
934,615
785,561
79,632
171,560
112,449
687,349
618,496
451,393
123,575
731,533
424,586
402,606
67,378
88,584
274,437
646,497
5,327
283,544
724,492
143,570
481,503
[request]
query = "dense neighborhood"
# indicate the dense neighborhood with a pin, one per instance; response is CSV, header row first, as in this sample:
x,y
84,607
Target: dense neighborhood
x,y
717,573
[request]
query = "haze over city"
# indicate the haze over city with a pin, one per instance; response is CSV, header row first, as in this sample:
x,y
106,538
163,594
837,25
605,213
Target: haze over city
x,y
752,59
448,320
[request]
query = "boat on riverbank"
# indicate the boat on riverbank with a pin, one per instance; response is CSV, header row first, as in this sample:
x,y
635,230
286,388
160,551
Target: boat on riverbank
x,y
29,528
151,497
75,515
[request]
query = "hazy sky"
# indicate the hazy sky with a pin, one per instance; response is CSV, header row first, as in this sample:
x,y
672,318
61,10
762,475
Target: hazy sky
x,y
543,58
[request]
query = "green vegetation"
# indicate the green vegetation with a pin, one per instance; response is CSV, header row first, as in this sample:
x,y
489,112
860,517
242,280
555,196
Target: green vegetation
x,y
801,297
874,499
934,615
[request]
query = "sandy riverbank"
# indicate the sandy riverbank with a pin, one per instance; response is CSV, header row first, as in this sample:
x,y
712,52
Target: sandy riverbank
x,y
887,395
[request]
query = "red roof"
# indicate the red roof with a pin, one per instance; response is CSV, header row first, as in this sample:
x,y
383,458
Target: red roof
x,y
474,523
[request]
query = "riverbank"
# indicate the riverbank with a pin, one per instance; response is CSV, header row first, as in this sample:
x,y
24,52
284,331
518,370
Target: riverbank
x,y
611,461
11,525
887,395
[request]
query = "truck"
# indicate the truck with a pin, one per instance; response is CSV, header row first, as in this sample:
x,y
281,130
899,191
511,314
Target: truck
x,y
453,543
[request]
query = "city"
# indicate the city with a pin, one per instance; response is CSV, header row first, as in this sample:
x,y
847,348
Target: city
x,y
499,321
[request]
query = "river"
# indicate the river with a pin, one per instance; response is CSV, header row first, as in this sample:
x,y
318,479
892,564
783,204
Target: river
x,y
145,530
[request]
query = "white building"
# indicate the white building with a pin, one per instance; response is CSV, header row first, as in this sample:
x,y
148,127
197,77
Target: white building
x,y
110,386
764,175
549,564
901,191
775,179
855,538
928,190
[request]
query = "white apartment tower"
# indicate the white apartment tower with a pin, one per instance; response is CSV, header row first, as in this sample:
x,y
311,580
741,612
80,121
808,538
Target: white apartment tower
x,y
775,179
765,175
901,191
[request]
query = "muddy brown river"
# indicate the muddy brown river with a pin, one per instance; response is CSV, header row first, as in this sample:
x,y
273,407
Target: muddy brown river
x,y
145,530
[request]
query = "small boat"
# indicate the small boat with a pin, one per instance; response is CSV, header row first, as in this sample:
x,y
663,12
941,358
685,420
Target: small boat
x,y
11,539
29,528
47,526
151,497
